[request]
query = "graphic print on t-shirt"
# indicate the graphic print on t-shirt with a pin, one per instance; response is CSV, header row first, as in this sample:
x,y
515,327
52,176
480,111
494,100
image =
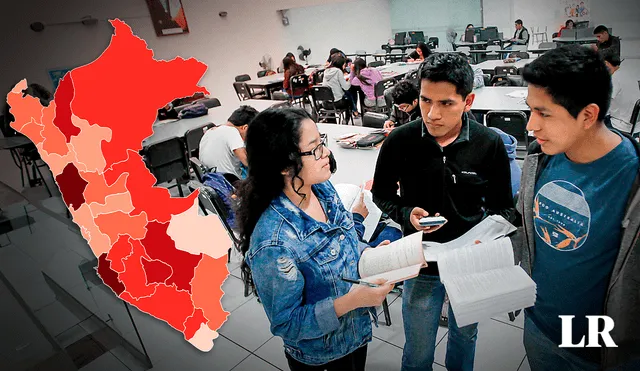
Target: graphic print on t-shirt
x,y
561,215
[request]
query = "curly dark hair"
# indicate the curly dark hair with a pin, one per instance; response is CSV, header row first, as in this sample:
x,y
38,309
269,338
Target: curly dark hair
x,y
272,148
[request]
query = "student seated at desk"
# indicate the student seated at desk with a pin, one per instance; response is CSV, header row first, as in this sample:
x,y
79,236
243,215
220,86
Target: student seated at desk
x,y
335,79
420,54
366,78
606,40
462,37
568,25
222,147
331,54
299,241
291,68
405,98
520,37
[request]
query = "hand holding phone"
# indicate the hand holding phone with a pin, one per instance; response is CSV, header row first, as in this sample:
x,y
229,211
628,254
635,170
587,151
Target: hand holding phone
x,y
432,221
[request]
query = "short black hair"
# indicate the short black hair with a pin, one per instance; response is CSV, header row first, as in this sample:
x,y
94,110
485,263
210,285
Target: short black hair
x,y
610,55
569,21
574,77
449,67
405,92
518,21
243,115
289,55
600,29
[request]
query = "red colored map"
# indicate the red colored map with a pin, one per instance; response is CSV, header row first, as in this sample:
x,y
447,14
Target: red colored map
x,y
154,251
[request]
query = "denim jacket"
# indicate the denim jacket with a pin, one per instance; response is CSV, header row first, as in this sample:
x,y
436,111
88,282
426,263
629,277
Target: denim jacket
x,y
297,264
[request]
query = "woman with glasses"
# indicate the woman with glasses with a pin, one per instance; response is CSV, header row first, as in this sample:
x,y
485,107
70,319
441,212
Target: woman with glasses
x,y
299,242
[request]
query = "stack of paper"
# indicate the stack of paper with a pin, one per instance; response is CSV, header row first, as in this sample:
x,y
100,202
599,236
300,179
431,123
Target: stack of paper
x,y
482,281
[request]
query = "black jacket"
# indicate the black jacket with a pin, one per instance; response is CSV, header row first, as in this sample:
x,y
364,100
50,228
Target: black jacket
x,y
464,181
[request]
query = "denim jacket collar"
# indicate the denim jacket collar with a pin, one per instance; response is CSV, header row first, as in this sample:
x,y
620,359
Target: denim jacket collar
x,y
303,224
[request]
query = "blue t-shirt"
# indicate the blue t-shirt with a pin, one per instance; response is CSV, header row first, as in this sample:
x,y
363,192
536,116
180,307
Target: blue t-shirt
x,y
578,211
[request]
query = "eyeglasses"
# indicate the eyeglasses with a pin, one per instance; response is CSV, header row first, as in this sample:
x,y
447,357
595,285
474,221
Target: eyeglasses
x,y
318,150
403,106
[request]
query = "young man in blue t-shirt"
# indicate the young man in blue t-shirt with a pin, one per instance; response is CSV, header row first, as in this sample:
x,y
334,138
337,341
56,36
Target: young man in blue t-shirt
x,y
578,239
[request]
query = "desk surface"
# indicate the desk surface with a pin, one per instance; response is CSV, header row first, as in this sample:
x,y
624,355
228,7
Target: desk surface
x,y
573,40
491,65
495,98
163,130
278,78
354,165
397,69
477,43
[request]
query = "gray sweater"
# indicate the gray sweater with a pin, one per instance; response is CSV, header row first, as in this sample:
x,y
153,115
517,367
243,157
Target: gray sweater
x,y
622,302
334,78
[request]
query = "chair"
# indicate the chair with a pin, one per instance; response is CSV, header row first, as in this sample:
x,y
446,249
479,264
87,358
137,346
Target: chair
x,y
521,55
242,90
211,203
541,35
376,64
433,43
298,82
513,123
378,91
506,80
412,75
487,79
166,160
505,70
262,73
374,120
635,116
547,45
199,168
192,138
325,106
210,102
243,78
318,76
254,93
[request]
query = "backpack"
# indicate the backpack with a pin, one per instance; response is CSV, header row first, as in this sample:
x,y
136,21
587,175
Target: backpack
x,y
193,110
225,190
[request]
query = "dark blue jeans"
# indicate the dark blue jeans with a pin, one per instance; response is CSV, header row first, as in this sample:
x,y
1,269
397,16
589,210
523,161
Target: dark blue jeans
x,y
422,299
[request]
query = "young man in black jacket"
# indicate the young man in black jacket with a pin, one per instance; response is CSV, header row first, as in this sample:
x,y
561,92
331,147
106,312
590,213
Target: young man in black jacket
x,y
447,164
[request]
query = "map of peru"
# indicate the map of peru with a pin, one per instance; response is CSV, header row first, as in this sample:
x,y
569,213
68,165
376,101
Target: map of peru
x,y
154,251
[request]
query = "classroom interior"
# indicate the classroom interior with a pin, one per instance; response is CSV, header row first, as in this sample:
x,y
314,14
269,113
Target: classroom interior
x,y
63,317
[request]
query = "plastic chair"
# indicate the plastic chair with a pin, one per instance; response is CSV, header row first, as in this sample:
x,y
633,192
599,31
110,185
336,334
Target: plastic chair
x,y
296,83
325,106
193,136
242,90
505,70
513,123
167,162
375,64
243,78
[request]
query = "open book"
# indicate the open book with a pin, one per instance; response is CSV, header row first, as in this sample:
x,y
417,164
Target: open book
x,y
482,281
395,262
349,194
491,228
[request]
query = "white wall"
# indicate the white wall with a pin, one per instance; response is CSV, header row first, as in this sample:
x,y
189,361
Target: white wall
x,y
229,46
621,15
435,17
349,26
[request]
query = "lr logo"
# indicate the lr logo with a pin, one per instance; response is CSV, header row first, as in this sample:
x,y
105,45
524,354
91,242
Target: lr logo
x,y
594,334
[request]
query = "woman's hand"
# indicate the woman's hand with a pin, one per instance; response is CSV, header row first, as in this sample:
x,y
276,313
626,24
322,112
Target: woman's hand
x,y
417,214
365,296
360,207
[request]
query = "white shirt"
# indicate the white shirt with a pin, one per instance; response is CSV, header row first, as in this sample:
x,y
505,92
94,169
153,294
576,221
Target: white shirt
x,y
622,102
216,149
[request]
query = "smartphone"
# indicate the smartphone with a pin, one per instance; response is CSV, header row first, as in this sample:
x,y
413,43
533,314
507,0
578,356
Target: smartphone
x,y
432,221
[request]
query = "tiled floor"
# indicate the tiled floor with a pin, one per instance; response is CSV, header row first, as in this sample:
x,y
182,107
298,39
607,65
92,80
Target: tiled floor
x,y
245,342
